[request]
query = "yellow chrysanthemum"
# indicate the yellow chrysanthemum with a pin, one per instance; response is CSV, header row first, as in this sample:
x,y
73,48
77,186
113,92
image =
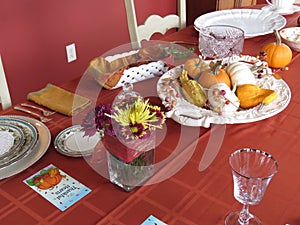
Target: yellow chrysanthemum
x,y
139,112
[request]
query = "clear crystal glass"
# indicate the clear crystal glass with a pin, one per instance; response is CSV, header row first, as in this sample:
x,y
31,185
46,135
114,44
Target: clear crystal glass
x,y
252,171
220,41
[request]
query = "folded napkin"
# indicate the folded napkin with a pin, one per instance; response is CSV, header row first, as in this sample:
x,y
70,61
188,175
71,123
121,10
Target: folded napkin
x,y
59,100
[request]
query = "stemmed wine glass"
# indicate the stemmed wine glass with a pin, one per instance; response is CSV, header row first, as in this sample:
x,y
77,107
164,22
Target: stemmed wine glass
x,y
252,171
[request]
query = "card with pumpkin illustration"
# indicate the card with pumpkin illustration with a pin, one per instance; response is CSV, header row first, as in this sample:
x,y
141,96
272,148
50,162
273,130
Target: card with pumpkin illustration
x,y
152,220
57,187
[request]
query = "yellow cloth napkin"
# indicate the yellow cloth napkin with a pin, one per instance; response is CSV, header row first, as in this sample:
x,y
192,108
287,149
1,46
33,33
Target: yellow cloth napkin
x,y
59,100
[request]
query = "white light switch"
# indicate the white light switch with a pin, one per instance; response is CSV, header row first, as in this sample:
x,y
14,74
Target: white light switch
x,y
71,53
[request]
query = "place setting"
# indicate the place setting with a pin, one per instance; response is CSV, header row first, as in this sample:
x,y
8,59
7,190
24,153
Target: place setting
x,y
25,139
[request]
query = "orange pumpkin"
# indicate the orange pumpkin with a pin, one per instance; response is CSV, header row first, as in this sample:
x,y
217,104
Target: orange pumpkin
x,y
278,54
194,66
213,76
49,180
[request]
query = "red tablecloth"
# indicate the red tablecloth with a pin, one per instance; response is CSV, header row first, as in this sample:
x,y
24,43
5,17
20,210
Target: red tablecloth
x,y
187,197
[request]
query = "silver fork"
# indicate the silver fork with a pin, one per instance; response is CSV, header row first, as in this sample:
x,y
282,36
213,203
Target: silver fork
x,y
42,119
45,112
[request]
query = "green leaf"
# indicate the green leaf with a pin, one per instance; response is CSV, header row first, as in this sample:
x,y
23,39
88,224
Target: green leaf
x,y
30,182
43,172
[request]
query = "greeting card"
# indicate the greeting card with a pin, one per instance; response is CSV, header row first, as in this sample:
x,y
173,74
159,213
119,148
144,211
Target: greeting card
x,y
57,187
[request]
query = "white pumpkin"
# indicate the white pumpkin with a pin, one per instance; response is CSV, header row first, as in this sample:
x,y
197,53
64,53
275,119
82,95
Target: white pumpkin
x,y
240,74
222,99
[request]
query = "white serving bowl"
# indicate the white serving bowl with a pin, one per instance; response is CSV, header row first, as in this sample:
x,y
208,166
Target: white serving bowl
x,y
291,36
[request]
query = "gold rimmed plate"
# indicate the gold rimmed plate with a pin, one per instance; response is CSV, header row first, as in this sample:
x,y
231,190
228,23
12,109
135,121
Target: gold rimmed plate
x,y
72,142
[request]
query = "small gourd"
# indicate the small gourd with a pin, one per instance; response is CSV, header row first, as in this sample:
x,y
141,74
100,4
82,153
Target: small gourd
x,y
194,66
278,54
240,74
192,90
251,95
222,99
213,76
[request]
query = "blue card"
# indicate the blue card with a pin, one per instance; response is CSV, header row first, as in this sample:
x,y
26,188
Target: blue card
x,y
152,220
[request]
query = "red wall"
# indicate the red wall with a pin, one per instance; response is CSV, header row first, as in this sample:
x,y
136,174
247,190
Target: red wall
x,y
34,34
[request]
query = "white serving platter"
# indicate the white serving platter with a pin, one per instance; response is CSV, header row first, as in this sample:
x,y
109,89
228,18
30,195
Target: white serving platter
x,y
188,114
254,22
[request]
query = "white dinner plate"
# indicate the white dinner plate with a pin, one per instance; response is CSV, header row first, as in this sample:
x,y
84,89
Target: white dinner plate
x,y
30,136
188,114
37,151
11,139
288,11
72,142
254,22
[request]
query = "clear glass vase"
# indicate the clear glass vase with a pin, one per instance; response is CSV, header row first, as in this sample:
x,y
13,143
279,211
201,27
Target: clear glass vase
x,y
129,175
129,164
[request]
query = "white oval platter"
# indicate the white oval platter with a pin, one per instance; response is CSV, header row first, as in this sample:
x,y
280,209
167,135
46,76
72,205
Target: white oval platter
x,y
188,114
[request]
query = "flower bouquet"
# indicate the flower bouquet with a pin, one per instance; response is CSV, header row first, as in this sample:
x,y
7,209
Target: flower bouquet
x,y
128,135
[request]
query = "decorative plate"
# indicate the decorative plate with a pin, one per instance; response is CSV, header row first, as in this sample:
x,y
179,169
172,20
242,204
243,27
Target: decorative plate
x,y
30,135
36,149
72,142
254,22
11,139
191,115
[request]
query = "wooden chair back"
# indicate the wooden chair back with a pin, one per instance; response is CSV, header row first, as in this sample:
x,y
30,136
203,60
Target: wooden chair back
x,y
154,23
5,99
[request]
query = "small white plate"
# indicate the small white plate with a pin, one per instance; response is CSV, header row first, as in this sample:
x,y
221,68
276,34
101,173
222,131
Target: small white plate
x,y
254,22
288,11
72,142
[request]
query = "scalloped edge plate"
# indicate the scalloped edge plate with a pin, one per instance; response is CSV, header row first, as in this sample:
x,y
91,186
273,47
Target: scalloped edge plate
x,y
254,22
